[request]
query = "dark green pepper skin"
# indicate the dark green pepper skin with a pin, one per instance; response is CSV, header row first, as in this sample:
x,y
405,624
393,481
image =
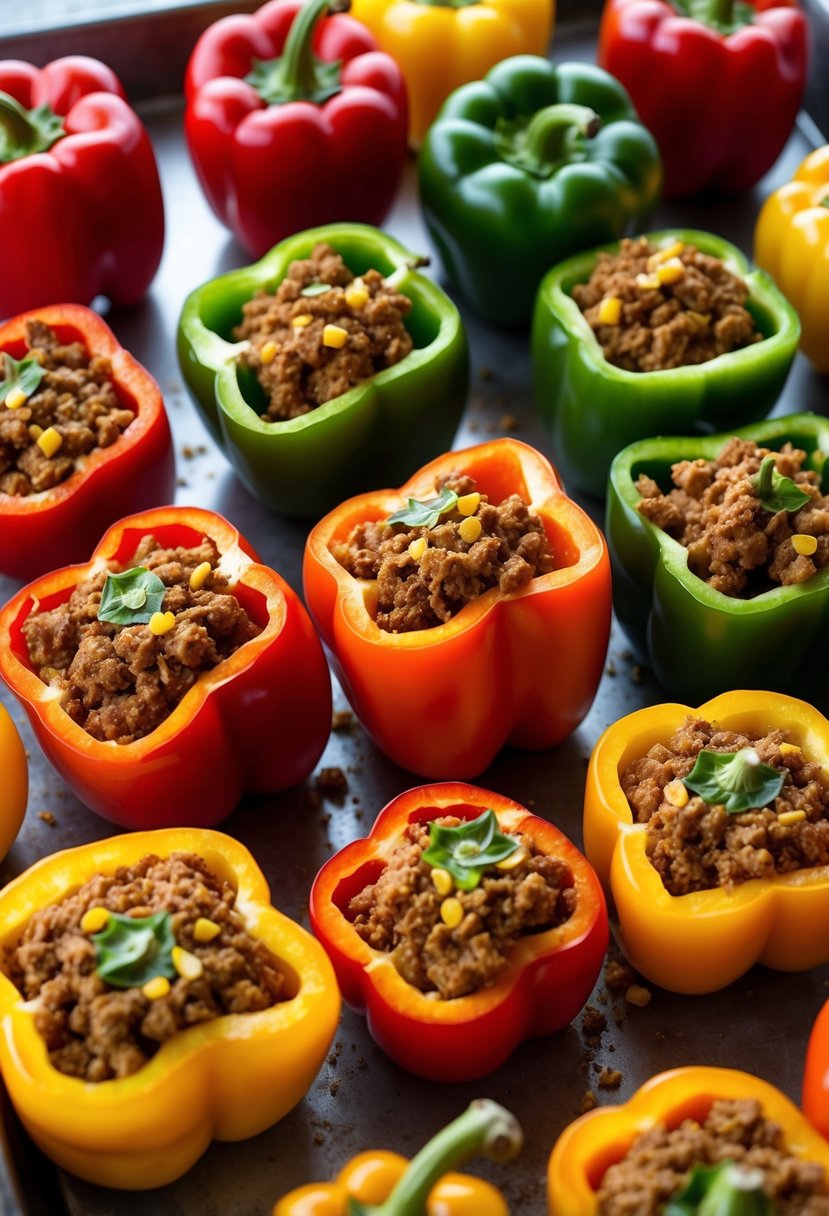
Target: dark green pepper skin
x,y
499,226
594,409
700,642
373,435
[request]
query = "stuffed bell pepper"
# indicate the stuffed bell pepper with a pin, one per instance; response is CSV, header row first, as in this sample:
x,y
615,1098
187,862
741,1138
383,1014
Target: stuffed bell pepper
x,y
84,437
524,168
169,675
15,770
465,611
327,365
171,1006
460,926
668,334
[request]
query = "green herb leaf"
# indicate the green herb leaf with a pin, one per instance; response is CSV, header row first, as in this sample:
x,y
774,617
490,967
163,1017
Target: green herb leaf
x,y
23,375
469,849
737,780
776,492
130,950
315,289
131,598
726,1189
425,514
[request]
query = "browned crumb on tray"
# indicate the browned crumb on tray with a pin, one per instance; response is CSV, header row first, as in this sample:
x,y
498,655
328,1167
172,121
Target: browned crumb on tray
x,y
332,781
609,1078
298,359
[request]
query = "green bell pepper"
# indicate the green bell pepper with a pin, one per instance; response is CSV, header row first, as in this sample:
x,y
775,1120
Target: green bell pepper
x,y
594,409
525,167
372,435
700,642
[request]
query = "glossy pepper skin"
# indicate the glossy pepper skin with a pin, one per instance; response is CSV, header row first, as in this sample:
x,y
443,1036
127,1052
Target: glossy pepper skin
x,y
549,977
594,409
92,197
702,941
61,525
406,413
791,242
700,82
520,669
776,640
815,1099
511,182
473,37
586,1149
322,140
256,723
15,788
226,1079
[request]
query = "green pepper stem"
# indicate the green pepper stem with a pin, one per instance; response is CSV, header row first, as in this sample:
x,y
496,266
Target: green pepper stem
x,y
719,12
18,134
546,136
298,64
764,477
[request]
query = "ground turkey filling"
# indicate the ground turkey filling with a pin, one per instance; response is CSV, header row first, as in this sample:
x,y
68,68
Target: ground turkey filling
x,y
120,682
697,846
289,343
95,1031
734,544
696,313
400,913
76,397
657,1166
421,592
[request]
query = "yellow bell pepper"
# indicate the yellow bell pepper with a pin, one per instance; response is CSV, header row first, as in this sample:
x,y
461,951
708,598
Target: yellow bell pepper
x,y
14,782
227,1079
442,44
791,242
585,1149
702,941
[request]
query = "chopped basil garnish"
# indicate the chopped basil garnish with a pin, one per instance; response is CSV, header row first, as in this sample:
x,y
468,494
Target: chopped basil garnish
x,y
467,850
131,598
425,514
20,376
726,1189
315,289
131,950
739,781
776,492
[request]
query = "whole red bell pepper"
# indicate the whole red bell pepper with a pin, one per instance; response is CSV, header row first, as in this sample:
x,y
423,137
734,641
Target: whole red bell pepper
x,y
255,723
816,1075
61,525
78,176
549,977
718,83
282,139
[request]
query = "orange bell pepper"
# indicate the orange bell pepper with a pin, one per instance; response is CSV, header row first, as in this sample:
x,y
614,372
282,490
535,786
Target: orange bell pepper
x,y
816,1074
227,1079
14,774
585,1149
702,941
520,669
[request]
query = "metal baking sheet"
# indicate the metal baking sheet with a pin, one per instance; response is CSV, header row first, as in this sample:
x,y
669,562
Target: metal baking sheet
x,y
360,1099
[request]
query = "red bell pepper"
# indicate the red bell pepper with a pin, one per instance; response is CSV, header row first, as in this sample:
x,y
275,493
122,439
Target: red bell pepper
x,y
78,175
549,977
283,140
255,723
717,83
61,525
816,1075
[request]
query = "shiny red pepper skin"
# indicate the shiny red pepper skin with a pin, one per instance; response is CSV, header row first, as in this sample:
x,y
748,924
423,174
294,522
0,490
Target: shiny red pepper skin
x,y
720,107
91,205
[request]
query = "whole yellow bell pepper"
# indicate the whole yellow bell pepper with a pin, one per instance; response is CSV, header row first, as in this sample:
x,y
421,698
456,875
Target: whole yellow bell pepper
x,y
702,941
227,1079
585,1149
791,242
14,782
442,44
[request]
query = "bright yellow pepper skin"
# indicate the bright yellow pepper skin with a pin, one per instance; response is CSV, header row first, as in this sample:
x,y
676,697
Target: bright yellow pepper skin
x,y
226,1079
702,941
14,782
791,242
441,45
585,1149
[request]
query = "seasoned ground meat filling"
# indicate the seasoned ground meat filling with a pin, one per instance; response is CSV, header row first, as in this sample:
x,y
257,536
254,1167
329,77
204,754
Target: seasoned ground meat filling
x,y
734,544
95,1031
658,1164
121,681
400,913
76,397
699,846
299,362
671,311
418,592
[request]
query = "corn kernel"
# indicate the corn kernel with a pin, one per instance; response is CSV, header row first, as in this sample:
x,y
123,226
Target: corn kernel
x,y
186,964
803,544
665,255
470,529
647,282
35,431
639,996
200,576
15,399
451,912
356,295
671,271
268,353
157,987
468,504
205,930
161,623
701,319
50,441
513,861
417,548
443,881
301,320
676,793
334,336
789,817
94,919
789,749
610,311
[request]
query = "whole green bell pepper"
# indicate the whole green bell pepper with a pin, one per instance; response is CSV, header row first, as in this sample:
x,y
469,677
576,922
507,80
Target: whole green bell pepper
x,y
594,409
373,434
525,167
699,641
